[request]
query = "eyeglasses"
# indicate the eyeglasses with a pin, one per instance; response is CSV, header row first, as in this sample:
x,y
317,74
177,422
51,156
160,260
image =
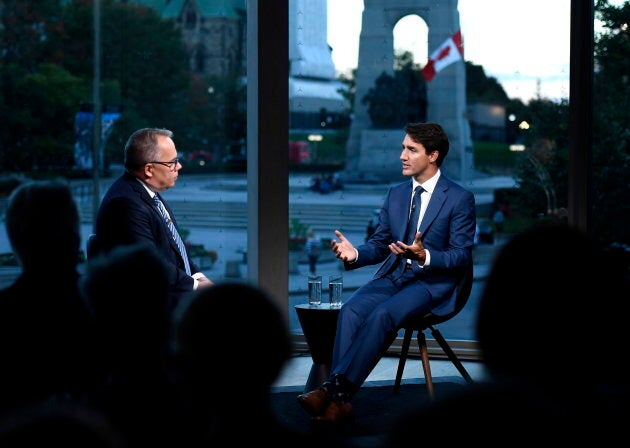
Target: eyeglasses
x,y
172,164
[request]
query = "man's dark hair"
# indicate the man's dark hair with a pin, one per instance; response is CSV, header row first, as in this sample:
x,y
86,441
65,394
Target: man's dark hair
x,y
432,136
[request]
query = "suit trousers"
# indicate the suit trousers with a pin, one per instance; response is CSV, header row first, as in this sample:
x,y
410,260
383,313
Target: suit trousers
x,y
369,321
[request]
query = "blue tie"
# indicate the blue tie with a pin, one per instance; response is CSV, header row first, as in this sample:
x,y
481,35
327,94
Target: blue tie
x,y
174,232
414,214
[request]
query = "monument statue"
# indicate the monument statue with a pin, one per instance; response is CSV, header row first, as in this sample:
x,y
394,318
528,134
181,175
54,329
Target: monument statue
x,y
369,151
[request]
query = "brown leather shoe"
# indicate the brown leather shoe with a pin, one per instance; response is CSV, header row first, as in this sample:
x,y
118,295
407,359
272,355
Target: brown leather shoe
x,y
335,414
315,401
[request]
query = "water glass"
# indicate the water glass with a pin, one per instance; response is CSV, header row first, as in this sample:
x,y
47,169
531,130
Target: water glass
x,y
314,290
335,290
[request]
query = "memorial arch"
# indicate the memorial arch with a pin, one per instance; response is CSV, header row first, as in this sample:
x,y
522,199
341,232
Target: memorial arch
x,y
372,154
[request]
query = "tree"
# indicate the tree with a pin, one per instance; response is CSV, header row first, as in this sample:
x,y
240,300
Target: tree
x,y
611,134
544,166
48,50
145,75
27,27
481,88
398,99
215,116
407,84
38,110
350,90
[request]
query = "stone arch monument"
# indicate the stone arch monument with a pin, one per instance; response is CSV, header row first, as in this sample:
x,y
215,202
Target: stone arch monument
x,y
372,154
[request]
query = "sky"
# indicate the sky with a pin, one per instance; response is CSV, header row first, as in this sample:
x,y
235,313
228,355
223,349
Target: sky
x,y
523,44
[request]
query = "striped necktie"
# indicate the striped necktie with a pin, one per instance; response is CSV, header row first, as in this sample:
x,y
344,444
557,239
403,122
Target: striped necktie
x,y
414,214
174,232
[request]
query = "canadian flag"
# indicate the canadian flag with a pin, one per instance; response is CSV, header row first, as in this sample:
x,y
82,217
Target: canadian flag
x,y
452,50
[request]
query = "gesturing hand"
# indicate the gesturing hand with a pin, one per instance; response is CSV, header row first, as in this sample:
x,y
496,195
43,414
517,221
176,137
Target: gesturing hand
x,y
414,251
343,249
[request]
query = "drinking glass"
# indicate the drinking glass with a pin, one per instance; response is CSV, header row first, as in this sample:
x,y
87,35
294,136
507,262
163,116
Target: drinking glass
x,y
335,290
314,290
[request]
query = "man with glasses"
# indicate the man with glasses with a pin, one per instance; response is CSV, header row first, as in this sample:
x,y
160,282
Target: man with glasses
x,y
132,211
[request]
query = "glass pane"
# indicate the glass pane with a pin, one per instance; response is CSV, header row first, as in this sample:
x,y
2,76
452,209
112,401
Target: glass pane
x,y
191,80
502,102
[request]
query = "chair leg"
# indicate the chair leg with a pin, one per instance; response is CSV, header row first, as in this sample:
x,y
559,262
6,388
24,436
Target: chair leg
x,y
403,358
426,366
451,354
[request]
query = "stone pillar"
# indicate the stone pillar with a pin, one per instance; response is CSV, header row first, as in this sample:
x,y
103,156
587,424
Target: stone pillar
x,y
372,155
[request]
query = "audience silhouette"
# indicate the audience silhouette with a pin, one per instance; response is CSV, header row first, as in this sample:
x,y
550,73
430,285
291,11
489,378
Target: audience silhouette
x,y
226,364
70,425
551,336
46,341
132,322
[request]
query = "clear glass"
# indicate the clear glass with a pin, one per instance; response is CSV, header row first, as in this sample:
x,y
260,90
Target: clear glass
x,y
315,290
488,167
335,290
209,199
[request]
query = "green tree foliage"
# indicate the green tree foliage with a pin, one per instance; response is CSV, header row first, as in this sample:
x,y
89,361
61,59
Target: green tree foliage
x,y
611,127
36,96
38,112
27,27
215,121
402,98
350,89
398,99
481,88
143,70
143,64
543,169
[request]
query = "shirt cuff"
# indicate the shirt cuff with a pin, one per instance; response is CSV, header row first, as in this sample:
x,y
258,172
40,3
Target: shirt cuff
x,y
427,259
195,276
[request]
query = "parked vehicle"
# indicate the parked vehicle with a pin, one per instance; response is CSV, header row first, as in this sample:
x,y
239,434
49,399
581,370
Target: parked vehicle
x,y
299,152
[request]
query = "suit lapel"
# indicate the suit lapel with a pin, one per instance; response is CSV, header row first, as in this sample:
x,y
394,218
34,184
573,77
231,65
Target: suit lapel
x,y
435,204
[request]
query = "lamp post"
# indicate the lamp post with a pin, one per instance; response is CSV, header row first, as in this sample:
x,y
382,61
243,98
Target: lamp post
x,y
96,99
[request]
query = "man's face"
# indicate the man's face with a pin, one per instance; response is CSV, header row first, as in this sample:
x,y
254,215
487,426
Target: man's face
x,y
415,161
165,174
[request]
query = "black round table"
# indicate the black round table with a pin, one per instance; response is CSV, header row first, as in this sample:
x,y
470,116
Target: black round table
x,y
319,325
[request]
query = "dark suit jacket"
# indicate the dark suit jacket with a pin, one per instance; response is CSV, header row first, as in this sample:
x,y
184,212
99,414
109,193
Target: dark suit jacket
x,y
447,228
127,215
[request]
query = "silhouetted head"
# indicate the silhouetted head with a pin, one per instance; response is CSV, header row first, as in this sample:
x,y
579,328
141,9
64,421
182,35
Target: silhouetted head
x,y
550,302
66,424
230,338
42,221
130,313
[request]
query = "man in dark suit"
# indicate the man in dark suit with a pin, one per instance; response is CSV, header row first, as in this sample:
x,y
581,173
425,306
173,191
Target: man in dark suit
x,y
420,268
133,211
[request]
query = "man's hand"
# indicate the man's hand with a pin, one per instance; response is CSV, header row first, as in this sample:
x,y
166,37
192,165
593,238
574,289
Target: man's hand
x,y
343,249
204,282
415,251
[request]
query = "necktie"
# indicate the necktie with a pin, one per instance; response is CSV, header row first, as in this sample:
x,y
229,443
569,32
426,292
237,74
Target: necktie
x,y
414,214
174,232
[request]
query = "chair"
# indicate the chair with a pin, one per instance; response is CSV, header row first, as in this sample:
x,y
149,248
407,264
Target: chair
x,y
427,322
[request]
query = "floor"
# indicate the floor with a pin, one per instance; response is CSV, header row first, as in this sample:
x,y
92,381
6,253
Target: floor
x,y
295,373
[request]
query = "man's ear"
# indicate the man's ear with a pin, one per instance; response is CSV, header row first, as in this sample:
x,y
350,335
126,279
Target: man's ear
x,y
148,170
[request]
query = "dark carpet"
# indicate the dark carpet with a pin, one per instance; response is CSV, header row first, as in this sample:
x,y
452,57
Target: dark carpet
x,y
376,408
